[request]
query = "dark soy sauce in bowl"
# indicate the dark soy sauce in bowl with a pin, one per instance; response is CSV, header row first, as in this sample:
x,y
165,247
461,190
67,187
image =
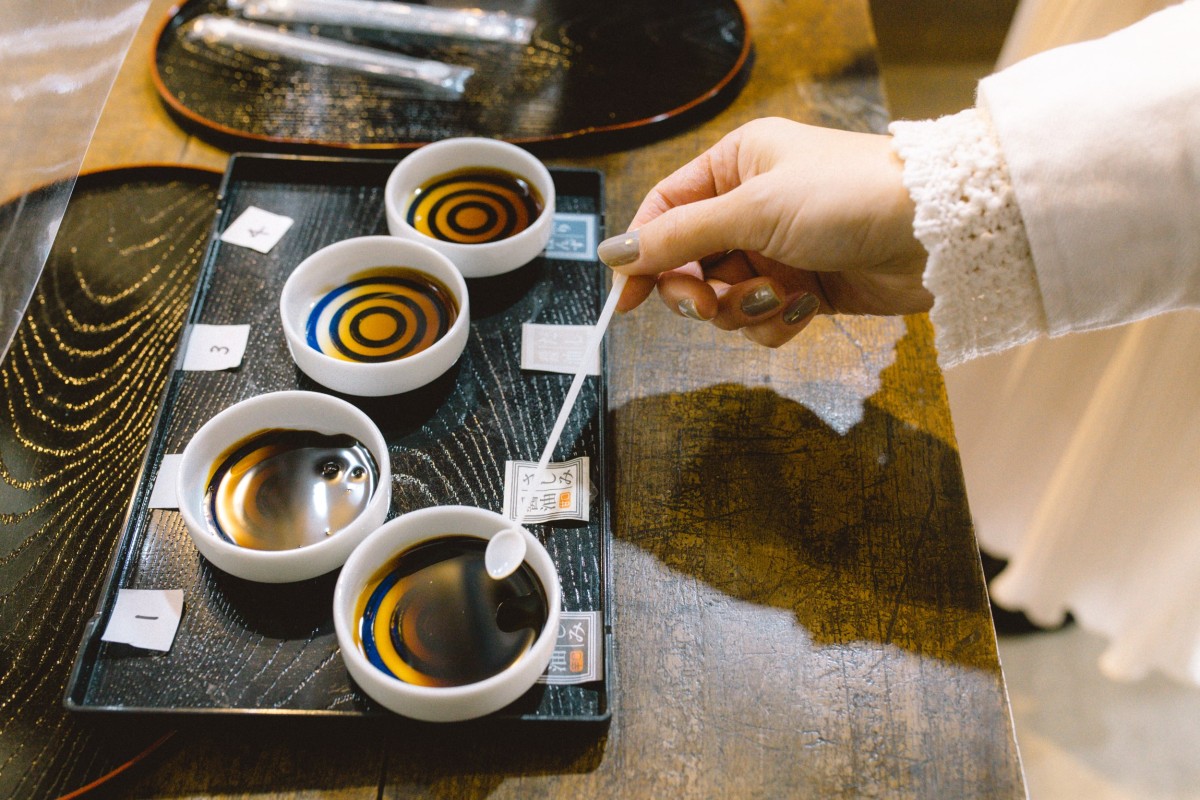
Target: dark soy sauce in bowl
x,y
383,314
474,206
283,489
433,617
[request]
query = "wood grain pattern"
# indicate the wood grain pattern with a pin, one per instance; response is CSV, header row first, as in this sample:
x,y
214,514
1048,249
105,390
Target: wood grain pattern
x,y
79,389
800,611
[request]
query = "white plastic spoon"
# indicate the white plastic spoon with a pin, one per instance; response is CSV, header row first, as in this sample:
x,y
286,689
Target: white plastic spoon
x,y
506,550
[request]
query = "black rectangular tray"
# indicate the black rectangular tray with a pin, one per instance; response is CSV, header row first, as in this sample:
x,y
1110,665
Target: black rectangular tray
x,y
244,647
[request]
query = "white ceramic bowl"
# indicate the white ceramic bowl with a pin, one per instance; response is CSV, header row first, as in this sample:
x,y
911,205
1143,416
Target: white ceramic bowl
x,y
451,155
287,410
334,265
440,704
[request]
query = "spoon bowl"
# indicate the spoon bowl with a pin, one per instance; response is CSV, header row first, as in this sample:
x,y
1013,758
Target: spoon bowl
x,y
504,554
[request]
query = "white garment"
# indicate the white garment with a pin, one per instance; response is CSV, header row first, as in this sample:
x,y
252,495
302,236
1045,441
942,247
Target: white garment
x,y
1103,144
986,296
1039,25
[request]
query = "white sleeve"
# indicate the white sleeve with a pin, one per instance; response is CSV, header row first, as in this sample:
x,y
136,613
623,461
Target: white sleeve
x,y
1102,141
985,292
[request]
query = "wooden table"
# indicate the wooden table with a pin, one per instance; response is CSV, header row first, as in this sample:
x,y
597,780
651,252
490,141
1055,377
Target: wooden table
x,y
800,608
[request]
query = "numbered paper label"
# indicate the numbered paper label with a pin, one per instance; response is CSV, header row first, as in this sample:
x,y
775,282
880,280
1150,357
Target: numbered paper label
x,y
211,348
257,229
561,492
163,495
146,618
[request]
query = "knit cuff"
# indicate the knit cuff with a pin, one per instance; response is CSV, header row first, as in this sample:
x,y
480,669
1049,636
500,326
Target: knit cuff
x,y
980,269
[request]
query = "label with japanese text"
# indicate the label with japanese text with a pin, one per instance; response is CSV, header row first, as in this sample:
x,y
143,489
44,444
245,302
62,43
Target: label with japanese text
x,y
576,656
573,237
557,348
561,492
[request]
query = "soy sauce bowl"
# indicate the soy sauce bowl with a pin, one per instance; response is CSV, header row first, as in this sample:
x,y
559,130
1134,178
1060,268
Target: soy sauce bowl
x,y
450,156
439,703
287,412
371,330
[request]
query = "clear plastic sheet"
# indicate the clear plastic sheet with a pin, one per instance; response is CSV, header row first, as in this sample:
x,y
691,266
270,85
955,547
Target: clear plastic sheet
x,y
58,59
465,23
272,42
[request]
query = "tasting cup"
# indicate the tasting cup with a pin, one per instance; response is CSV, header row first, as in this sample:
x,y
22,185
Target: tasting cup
x,y
450,155
440,704
333,266
294,410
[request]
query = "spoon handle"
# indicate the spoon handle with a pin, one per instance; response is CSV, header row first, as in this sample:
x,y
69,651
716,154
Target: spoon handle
x,y
589,352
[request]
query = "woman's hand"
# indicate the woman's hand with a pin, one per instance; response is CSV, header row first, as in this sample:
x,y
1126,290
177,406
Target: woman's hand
x,y
776,222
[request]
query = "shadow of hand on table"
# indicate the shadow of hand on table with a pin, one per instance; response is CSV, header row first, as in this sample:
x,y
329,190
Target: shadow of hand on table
x,y
862,537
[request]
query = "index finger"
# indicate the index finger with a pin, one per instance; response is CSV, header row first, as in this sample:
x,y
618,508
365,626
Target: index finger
x,y
679,236
693,181
702,179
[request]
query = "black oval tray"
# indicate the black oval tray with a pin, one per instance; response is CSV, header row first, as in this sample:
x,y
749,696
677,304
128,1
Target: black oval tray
x,y
592,70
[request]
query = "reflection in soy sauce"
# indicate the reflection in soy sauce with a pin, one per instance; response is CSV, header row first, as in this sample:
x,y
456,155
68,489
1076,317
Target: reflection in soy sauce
x,y
282,489
434,617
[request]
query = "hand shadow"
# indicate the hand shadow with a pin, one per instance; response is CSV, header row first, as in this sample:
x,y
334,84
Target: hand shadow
x,y
862,537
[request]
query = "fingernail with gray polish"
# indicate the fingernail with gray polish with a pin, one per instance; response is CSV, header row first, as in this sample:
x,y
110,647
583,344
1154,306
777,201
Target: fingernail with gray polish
x,y
617,251
760,301
801,309
687,307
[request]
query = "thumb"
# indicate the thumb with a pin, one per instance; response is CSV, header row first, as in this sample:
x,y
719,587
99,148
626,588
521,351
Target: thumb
x,y
676,237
